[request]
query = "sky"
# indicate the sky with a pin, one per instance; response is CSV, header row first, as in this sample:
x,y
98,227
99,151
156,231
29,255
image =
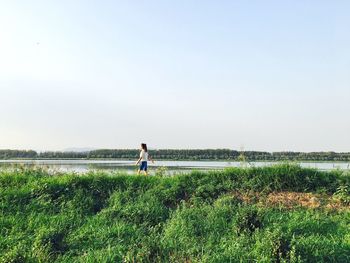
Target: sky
x,y
253,75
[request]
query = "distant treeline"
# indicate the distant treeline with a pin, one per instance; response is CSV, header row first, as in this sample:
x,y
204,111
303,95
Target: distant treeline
x,y
171,154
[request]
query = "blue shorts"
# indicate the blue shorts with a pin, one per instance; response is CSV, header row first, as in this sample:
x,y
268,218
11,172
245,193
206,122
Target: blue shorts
x,y
143,166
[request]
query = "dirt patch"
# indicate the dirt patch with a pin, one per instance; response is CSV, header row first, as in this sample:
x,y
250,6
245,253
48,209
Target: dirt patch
x,y
292,200
309,200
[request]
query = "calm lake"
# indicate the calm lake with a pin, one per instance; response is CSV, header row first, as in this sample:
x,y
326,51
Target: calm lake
x,y
169,167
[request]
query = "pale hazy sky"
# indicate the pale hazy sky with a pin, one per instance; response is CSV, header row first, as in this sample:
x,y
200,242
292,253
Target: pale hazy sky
x,y
263,75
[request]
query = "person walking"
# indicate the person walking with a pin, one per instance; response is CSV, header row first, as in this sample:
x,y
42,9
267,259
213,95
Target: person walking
x,y
144,157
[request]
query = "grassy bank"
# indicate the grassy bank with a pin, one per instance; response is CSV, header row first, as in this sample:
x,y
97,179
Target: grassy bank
x,y
235,215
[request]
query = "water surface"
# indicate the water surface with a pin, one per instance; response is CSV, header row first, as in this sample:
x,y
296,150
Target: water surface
x,y
81,166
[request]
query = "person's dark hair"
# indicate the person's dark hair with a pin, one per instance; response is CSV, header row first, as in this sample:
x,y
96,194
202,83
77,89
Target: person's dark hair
x,y
144,146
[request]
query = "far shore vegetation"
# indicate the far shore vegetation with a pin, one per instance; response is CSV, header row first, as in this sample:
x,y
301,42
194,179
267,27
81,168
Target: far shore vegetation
x,y
181,154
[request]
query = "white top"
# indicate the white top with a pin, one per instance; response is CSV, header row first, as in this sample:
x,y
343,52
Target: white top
x,y
144,156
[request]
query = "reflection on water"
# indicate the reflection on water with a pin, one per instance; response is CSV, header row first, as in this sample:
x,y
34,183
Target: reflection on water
x,y
171,167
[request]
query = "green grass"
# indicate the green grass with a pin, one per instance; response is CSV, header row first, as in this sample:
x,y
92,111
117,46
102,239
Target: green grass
x,y
99,217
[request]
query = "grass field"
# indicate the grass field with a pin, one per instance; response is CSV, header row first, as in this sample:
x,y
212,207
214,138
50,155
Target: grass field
x,y
282,213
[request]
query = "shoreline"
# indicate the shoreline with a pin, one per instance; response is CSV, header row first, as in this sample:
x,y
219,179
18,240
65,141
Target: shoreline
x,y
173,160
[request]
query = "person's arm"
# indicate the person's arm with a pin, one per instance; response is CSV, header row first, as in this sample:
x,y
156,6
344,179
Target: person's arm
x,y
138,161
150,158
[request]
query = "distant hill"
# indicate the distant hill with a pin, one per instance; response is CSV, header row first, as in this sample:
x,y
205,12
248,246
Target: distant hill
x,y
79,149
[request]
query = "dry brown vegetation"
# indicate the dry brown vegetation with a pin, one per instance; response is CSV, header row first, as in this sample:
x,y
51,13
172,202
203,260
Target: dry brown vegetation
x,y
292,200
